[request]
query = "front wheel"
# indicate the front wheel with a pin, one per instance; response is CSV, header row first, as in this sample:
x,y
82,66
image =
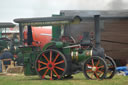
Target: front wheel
x,y
95,68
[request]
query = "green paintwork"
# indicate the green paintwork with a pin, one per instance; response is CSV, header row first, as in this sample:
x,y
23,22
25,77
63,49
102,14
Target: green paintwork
x,y
56,31
80,56
26,53
59,44
20,59
66,50
83,56
29,59
48,45
3,44
26,49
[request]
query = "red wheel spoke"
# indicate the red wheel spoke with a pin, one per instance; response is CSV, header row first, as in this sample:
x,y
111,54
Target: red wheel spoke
x,y
39,69
50,56
101,66
89,65
55,73
89,70
45,73
59,62
96,75
45,57
101,72
92,62
98,63
59,68
42,62
51,75
56,57
92,75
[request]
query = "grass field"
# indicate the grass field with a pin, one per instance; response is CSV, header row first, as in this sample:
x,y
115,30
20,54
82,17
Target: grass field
x,y
78,79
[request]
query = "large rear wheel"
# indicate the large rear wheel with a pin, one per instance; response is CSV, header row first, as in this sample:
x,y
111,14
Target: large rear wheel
x,y
95,68
51,64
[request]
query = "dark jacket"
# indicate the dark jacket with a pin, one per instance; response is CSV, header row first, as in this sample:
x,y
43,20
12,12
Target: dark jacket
x,y
6,55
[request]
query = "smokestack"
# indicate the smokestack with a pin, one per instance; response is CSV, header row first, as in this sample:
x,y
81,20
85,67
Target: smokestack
x,y
97,30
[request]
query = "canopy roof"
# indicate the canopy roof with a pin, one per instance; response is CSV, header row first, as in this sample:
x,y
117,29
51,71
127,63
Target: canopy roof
x,y
45,21
6,25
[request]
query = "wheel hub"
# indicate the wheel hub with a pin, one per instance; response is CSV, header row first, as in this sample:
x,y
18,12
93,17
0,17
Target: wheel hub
x,y
50,66
94,68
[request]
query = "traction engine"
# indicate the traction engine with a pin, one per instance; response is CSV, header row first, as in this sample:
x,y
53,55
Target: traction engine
x,y
63,56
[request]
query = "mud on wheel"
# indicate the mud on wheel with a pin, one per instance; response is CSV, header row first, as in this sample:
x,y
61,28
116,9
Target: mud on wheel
x,y
95,68
111,67
51,64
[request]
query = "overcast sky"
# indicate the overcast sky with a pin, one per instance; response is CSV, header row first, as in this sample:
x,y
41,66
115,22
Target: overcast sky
x,y
11,9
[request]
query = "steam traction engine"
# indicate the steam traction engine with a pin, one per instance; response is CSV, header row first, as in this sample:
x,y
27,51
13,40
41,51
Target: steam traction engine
x,y
63,56
4,41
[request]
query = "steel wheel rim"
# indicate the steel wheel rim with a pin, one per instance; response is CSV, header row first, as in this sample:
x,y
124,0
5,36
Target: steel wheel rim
x,y
111,67
52,66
